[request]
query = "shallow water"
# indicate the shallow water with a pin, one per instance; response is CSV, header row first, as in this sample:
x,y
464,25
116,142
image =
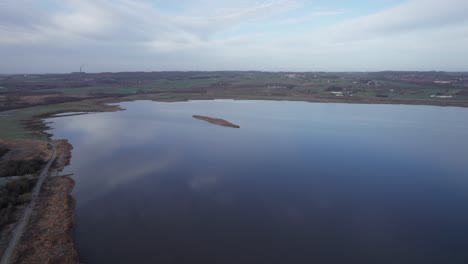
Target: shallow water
x,y
297,183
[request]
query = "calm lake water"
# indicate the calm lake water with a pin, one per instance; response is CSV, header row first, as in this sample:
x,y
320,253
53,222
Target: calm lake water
x,y
297,183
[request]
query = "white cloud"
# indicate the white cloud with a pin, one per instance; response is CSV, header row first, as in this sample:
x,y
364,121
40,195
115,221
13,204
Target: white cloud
x,y
411,16
228,35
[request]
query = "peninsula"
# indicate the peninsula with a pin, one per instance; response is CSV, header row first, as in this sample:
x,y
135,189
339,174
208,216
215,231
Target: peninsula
x,y
216,121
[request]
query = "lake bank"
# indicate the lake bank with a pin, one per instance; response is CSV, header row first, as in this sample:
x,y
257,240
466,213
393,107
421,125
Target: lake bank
x,y
27,123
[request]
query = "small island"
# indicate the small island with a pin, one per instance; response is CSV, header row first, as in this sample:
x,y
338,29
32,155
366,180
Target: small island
x,y
216,121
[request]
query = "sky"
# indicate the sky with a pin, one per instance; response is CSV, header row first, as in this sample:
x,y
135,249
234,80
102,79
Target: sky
x,y
57,36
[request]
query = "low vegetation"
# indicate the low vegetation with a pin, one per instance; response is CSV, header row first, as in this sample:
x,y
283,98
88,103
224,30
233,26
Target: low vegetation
x,y
3,150
13,194
20,167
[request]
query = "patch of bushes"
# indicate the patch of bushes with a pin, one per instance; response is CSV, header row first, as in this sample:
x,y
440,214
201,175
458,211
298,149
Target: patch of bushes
x,y
12,194
3,150
335,89
20,167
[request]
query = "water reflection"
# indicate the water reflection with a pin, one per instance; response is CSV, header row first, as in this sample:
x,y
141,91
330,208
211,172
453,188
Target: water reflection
x,y
298,183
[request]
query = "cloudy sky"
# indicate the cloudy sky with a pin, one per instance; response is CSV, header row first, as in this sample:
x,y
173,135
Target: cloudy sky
x,y
38,36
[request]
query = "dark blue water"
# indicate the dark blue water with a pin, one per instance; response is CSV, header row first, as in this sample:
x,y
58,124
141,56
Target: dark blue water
x,y
297,183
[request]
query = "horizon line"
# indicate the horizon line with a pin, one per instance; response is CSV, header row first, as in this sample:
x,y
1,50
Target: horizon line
x,y
208,71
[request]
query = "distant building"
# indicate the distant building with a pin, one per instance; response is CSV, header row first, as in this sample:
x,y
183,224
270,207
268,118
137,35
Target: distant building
x,y
337,93
442,96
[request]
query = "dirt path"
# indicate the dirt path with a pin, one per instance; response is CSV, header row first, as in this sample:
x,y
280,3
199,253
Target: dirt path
x,y
22,223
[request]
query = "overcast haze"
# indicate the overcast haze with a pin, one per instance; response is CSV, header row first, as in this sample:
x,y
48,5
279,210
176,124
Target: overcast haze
x,y
123,35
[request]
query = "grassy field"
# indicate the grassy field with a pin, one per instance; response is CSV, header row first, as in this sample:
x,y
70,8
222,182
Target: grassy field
x,y
95,90
25,123
181,84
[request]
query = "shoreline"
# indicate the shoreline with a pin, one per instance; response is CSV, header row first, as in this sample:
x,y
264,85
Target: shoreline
x,y
29,122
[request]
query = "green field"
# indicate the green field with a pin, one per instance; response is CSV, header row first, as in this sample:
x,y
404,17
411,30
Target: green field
x,y
14,124
95,90
181,84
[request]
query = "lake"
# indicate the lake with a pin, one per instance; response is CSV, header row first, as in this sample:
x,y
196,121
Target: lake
x,y
296,183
